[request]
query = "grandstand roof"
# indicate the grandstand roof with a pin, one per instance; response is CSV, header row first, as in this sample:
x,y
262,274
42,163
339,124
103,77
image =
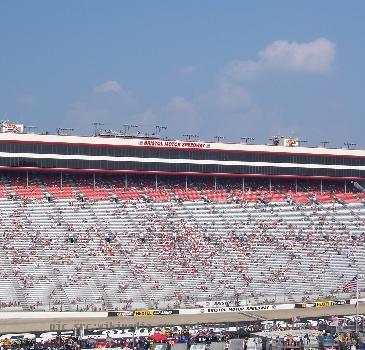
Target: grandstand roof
x,y
176,144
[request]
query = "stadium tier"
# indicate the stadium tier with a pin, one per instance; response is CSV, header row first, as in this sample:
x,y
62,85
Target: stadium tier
x,y
90,223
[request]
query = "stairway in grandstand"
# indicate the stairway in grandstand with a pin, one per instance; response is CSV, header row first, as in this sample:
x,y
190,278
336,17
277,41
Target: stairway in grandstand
x,y
107,247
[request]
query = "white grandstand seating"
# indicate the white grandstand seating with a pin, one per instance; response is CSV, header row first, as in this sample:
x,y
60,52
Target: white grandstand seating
x,y
172,247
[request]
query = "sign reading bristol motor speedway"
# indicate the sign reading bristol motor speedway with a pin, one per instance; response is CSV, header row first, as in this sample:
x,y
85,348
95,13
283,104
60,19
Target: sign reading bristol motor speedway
x,y
238,308
205,310
174,144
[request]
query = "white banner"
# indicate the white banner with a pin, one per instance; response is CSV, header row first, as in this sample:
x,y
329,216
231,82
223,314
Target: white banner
x,y
291,142
7,315
235,309
12,128
216,303
354,301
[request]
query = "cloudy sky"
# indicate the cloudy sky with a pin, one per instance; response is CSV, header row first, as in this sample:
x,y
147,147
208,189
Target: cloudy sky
x,y
227,68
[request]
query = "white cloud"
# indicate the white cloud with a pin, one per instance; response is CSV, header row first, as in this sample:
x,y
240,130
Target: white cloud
x,y
26,99
314,57
188,70
178,104
232,96
143,119
112,87
108,103
242,70
229,102
181,115
108,86
225,97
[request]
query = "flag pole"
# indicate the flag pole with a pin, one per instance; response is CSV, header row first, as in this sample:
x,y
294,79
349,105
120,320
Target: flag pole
x,y
357,304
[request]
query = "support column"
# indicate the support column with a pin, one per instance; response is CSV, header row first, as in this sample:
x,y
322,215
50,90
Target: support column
x,y
215,183
125,181
94,181
321,187
296,185
186,183
156,182
61,180
270,184
345,186
27,179
243,184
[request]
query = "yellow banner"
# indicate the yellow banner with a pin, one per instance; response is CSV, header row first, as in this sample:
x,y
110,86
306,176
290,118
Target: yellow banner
x,y
143,313
324,303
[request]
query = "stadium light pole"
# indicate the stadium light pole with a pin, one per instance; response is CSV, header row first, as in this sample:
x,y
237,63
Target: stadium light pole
x,y
349,144
127,127
30,127
246,140
96,125
158,129
219,138
64,131
189,137
324,143
276,139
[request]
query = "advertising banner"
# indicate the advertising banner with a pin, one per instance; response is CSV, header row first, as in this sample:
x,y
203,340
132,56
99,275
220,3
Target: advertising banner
x,y
142,313
12,128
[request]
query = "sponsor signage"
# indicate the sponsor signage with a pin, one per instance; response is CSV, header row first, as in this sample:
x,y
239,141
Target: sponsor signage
x,y
142,313
12,128
210,310
217,303
165,312
205,310
304,305
299,306
291,142
322,303
120,313
238,308
174,144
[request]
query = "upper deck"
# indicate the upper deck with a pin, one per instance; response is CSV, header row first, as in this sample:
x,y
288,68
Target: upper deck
x,y
128,154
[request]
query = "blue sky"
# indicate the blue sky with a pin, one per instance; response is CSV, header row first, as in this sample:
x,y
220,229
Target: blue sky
x,y
230,68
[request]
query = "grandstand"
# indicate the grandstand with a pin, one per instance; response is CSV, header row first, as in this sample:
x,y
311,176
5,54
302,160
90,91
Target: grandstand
x,y
101,223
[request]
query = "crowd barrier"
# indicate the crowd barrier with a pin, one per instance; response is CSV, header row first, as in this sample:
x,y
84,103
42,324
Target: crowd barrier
x,y
50,314
322,304
224,309
143,313
155,312
328,303
208,310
